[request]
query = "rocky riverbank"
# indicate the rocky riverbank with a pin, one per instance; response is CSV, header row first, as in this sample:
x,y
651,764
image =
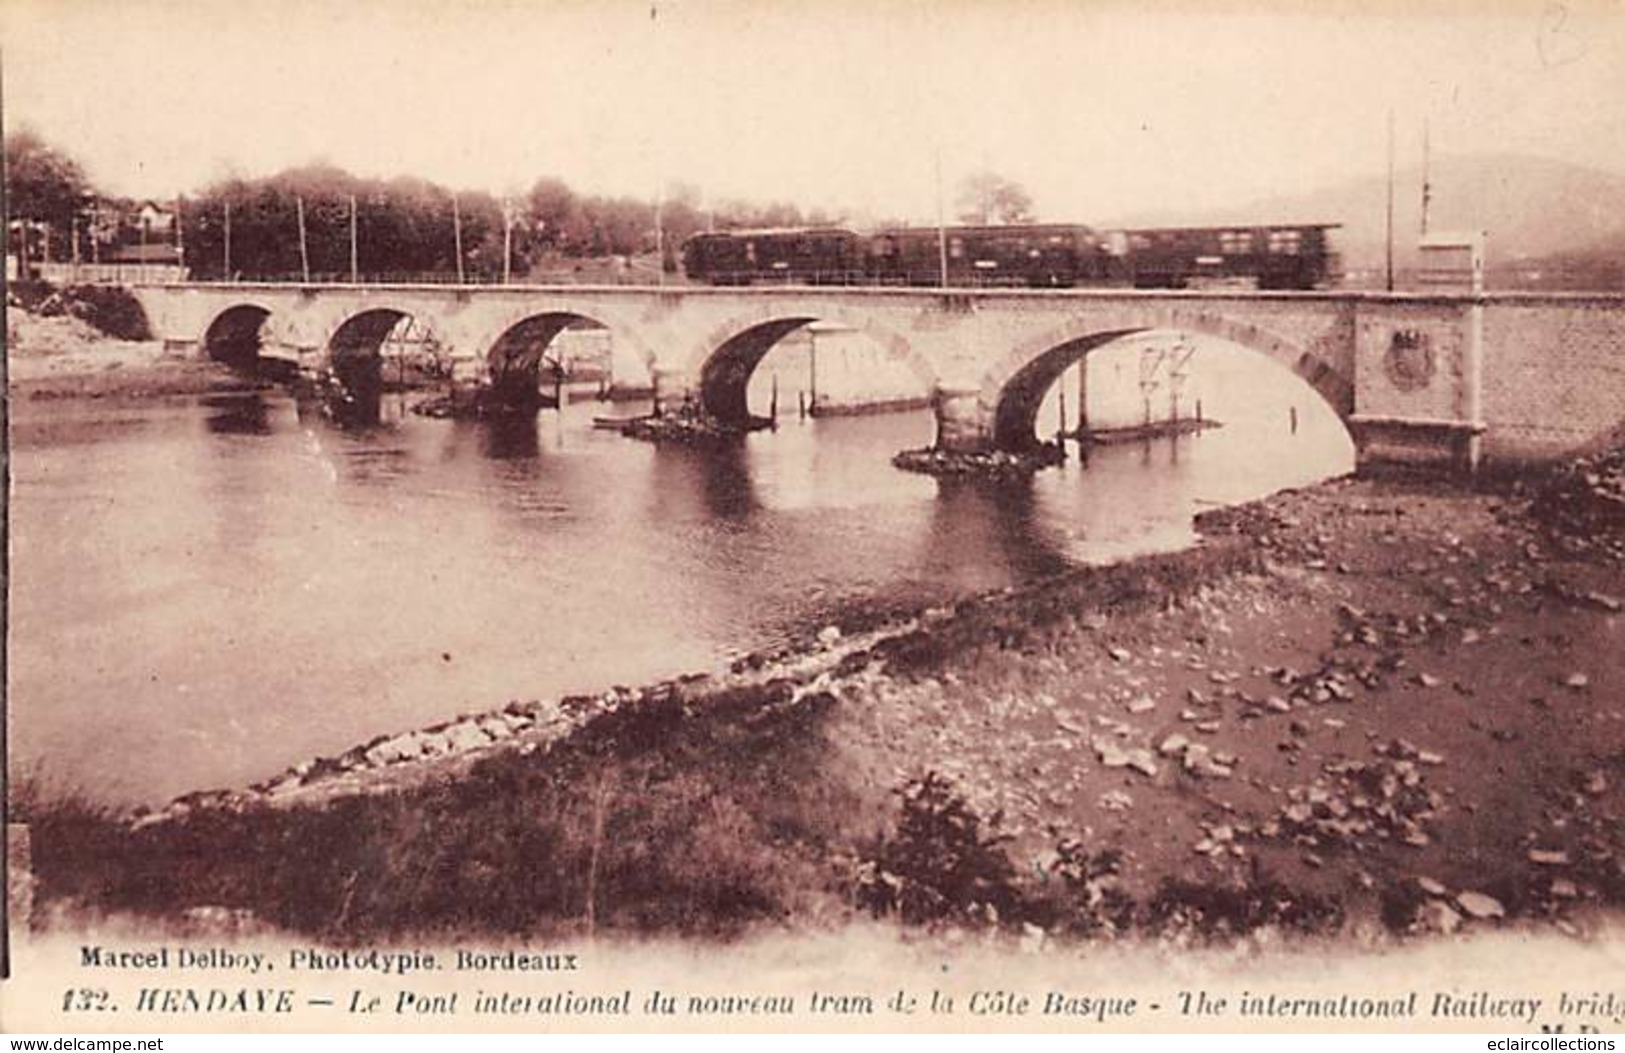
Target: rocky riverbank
x,y
1371,706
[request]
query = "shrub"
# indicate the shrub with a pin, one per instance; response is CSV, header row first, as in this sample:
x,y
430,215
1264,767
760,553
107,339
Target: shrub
x,y
1214,911
939,865
1089,901
112,309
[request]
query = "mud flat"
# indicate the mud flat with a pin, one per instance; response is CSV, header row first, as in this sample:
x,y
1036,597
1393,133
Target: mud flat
x,y
1372,706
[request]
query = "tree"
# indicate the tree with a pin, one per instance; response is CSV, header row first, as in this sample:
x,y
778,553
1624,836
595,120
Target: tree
x,y
43,186
551,209
988,197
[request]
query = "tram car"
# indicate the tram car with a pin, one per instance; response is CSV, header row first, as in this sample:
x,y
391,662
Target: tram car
x,y
816,256
1047,255
1034,255
1268,257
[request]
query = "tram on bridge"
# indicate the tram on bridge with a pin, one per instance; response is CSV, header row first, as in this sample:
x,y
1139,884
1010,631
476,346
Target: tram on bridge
x,y
1051,255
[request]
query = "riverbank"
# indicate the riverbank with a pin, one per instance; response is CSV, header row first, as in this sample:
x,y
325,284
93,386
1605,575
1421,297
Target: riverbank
x,y
60,356
1369,705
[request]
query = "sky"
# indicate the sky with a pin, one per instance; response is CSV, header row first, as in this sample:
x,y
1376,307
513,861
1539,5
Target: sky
x,y
1098,109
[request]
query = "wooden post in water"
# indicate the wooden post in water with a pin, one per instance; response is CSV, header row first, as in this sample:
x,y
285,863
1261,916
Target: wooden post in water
x,y
1083,396
1293,417
812,374
1060,425
773,404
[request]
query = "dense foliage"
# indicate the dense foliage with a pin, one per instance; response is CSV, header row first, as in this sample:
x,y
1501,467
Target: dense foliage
x,y
397,229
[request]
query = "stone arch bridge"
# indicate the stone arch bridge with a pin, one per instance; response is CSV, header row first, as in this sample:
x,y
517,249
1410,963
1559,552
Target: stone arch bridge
x,y
1461,377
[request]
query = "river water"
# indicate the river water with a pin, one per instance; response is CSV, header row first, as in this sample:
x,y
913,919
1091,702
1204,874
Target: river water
x,y
205,591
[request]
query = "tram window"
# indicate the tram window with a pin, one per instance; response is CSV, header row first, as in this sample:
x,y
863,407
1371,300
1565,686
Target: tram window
x,y
1285,242
956,248
1236,242
750,251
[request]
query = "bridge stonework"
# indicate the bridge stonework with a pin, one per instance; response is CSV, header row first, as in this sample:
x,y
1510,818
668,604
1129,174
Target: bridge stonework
x,y
1458,378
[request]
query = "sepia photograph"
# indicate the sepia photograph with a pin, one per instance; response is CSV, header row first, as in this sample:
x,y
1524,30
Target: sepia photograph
x,y
871,516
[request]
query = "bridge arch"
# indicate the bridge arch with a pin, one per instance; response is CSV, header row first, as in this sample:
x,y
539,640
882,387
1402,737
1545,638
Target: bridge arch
x,y
729,354
364,332
236,335
1013,390
521,340
354,349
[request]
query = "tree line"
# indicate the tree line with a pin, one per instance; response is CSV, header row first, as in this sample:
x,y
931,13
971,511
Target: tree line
x,y
250,228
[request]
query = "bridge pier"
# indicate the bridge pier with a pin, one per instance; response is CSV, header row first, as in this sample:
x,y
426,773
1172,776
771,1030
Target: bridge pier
x,y
673,390
963,426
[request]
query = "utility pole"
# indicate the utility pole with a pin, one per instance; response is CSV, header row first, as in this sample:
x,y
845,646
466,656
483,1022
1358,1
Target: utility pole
x,y
507,240
660,234
228,242
1389,239
304,247
180,230
1427,186
457,234
942,228
355,255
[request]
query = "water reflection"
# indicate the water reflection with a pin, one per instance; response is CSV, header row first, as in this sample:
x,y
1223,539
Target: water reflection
x,y
247,414
225,587
975,519
696,483
510,437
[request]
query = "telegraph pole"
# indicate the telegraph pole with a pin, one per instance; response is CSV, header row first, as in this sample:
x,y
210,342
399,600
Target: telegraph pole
x,y
304,247
1427,186
507,240
228,241
942,228
1389,239
457,234
660,234
355,256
